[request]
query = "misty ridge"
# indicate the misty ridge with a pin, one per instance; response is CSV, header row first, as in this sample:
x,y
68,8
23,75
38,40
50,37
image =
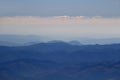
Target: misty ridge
x,y
58,60
59,39
25,40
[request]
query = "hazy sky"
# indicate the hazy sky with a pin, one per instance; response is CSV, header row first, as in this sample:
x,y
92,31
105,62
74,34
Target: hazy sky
x,y
61,18
106,8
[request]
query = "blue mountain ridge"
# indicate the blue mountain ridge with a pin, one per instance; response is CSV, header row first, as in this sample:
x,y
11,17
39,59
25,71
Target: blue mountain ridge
x,y
60,61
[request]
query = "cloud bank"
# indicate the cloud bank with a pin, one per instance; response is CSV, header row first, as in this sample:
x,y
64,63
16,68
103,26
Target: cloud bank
x,y
59,20
61,26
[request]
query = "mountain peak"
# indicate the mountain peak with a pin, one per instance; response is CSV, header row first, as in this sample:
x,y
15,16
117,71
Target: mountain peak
x,y
75,42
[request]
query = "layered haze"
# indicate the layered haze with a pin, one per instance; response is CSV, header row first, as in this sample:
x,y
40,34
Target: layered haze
x,y
61,19
61,27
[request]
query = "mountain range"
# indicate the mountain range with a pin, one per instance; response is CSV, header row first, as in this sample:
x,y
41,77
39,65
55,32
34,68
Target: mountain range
x,y
58,60
25,40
